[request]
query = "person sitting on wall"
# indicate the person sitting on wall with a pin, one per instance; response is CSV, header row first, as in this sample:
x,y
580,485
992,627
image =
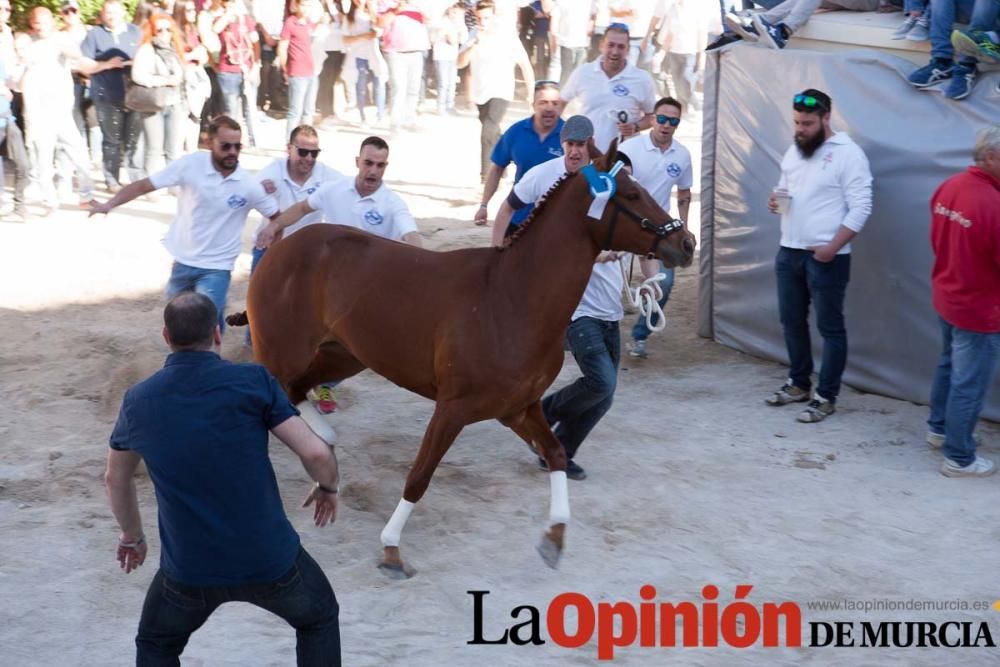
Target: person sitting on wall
x,y
960,75
776,25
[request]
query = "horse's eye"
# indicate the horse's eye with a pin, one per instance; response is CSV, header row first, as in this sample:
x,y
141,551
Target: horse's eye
x,y
632,195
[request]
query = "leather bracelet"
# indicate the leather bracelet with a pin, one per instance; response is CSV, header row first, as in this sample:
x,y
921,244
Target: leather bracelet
x,y
132,545
325,489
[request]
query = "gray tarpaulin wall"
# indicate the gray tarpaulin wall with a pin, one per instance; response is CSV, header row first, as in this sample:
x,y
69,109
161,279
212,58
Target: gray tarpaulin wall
x,y
913,139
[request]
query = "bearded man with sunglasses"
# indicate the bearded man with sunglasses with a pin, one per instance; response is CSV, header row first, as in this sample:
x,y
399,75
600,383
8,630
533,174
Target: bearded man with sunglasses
x,y
824,197
215,197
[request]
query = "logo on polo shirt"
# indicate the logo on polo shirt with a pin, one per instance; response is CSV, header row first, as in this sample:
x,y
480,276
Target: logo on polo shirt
x,y
674,170
620,90
555,152
236,201
312,189
373,217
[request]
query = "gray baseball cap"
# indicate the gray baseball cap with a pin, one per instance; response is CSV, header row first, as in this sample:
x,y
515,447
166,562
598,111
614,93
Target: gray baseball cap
x,y
577,128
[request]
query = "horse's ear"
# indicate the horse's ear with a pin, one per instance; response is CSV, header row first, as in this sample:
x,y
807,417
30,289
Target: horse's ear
x,y
608,159
592,150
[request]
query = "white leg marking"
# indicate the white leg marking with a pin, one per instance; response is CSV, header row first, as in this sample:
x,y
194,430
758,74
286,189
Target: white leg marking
x,y
559,507
317,422
393,529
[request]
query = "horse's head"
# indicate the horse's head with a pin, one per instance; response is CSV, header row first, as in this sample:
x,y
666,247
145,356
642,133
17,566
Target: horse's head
x,y
632,221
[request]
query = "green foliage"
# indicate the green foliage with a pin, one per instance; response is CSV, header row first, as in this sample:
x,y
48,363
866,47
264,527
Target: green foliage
x,y
91,10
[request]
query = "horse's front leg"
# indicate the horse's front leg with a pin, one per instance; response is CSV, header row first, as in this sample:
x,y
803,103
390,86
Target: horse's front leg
x,y
445,425
537,428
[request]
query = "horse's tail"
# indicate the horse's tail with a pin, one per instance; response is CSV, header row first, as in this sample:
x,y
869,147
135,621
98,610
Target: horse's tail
x,y
237,319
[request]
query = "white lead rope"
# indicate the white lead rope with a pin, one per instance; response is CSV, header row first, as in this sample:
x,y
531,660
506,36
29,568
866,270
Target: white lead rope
x,y
646,297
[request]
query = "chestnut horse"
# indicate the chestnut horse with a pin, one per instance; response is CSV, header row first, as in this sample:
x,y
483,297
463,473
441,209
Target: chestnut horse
x,y
480,330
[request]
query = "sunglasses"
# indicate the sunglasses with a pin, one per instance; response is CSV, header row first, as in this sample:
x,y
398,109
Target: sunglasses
x,y
303,152
663,120
617,26
546,82
226,146
809,102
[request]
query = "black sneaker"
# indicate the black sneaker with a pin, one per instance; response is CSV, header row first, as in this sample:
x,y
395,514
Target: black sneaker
x,y
725,39
573,471
771,34
744,29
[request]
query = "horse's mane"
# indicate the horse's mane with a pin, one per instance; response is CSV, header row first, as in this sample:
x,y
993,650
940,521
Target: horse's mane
x,y
535,212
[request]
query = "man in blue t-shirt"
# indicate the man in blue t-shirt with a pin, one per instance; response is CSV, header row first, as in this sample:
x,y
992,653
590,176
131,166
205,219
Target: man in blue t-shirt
x,y
201,426
526,143
115,40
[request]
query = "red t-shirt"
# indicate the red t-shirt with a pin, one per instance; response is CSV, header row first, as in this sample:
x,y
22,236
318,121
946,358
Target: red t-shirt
x,y
236,54
299,37
965,236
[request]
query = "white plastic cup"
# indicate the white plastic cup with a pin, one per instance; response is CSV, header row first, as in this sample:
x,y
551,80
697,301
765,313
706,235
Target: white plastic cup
x,y
783,199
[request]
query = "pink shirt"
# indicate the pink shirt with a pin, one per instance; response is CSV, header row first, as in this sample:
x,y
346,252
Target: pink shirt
x,y
299,38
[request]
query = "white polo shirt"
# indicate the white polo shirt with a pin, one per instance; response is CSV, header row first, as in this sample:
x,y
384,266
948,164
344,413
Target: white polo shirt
x,y
492,64
603,297
631,90
207,231
830,189
382,213
289,193
657,170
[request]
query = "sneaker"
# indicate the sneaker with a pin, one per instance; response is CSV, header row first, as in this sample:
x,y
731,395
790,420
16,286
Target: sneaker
x,y
638,349
905,27
981,467
818,409
741,27
772,34
323,398
933,73
921,30
788,393
962,79
725,39
573,471
976,44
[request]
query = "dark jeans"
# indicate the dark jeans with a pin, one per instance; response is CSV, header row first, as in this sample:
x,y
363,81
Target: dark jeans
x,y
577,407
14,150
333,66
120,129
273,92
302,597
802,279
490,115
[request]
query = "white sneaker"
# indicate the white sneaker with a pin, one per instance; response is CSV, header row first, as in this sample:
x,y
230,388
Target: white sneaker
x,y
904,29
981,467
921,31
638,349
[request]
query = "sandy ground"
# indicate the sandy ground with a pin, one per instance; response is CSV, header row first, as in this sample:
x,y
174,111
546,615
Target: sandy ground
x,y
693,481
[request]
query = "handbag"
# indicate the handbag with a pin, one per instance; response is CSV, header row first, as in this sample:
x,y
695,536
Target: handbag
x,y
145,99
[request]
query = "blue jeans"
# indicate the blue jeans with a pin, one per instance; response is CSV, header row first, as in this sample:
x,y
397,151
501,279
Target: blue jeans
x,y
596,346
801,280
447,76
361,88
944,15
238,93
640,331
302,597
301,102
961,380
914,6
213,283
985,15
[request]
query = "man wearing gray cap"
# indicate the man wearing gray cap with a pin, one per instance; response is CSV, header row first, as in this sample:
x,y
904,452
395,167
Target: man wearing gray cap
x,y
593,336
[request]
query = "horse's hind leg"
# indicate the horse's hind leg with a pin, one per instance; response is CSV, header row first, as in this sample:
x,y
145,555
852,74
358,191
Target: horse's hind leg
x,y
537,429
445,425
332,363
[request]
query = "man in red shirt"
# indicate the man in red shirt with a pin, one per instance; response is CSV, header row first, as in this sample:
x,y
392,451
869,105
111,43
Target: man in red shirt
x,y
295,56
965,236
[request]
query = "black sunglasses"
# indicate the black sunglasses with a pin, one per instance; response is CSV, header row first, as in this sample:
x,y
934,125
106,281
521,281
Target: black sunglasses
x,y
663,120
808,102
303,152
226,146
546,82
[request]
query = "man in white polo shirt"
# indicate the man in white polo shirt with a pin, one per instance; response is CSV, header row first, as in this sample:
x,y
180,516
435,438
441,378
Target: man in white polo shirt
x,y
592,336
615,96
660,163
824,197
362,202
216,196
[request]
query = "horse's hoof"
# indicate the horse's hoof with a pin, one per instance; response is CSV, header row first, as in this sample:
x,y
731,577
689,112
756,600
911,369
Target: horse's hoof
x,y
397,572
549,551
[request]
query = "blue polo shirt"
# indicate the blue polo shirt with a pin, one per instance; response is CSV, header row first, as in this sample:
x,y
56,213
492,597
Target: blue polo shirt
x,y
101,44
521,145
201,426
